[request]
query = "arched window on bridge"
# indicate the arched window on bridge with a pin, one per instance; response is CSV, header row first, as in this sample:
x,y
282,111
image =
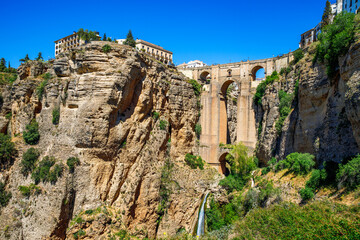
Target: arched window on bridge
x,y
258,73
205,76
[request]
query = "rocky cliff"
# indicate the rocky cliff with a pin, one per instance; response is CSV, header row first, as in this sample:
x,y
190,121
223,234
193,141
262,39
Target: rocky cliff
x,y
324,116
124,115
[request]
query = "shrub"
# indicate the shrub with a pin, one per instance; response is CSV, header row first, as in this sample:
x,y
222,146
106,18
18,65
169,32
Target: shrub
x,y
56,115
41,88
106,48
156,115
194,162
45,171
318,220
7,150
233,182
306,193
196,86
298,163
260,90
79,234
27,191
163,124
8,115
28,161
31,135
318,178
198,130
4,195
72,162
298,55
349,174
335,40
165,188
284,109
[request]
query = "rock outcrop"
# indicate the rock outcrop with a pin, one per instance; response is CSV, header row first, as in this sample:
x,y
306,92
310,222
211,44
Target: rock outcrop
x,y
107,103
324,120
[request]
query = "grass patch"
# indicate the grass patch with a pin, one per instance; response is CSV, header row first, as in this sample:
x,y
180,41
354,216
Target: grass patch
x,y
319,220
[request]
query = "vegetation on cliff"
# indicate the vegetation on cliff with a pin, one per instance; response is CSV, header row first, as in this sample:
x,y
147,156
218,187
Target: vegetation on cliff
x,y
335,40
7,150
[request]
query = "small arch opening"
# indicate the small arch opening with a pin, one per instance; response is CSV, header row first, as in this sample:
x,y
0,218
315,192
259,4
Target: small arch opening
x,y
258,73
205,76
224,165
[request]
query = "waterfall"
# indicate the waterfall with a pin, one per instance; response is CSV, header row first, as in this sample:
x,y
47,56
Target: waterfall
x,y
201,221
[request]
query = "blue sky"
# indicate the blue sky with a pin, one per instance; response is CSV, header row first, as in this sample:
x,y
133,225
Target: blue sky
x,y
212,31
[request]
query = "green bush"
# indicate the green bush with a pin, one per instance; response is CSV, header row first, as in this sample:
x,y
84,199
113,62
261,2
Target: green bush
x,y
4,195
156,115
318,220
285,71
335,40
317,179
56,115
349,174
298,55
194,162
7,150
8,115
79,233
27,191
41,88
163,124
106,48
46,171
233,182
72,162
165,189
196,86
306,193
28,161
260,90
284,109
31,134
298,163
198,130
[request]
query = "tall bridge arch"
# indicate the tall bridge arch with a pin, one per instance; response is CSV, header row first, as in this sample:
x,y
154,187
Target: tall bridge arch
x,y
214,122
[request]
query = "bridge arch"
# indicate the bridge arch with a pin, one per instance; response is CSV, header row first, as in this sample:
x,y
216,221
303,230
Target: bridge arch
x,y
223,164
205,76
255,70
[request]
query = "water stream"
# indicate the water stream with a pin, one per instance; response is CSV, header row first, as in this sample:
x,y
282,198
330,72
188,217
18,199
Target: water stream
x,y
201,221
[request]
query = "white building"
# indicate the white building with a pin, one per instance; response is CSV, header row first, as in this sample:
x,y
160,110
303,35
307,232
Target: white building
x,y
67,43
192,64
348,5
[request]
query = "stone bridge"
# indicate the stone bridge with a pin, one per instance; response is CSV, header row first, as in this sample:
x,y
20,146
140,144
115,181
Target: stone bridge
x,y
214,120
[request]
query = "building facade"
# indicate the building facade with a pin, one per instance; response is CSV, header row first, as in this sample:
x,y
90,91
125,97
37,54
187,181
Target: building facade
x,y
192,64
349,5
67,43
310,36
159,53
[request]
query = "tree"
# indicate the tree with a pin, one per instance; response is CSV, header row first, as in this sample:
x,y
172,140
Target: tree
x,y
130,40
26,59
7,150
39,57
2,65
104,37
327,15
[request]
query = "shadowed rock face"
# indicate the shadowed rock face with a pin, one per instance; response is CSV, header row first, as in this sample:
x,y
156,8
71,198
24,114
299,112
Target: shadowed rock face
x,y
325,117
106,103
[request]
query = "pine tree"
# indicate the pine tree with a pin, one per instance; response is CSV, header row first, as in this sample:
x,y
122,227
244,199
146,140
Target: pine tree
x,y
327,16
130,40
25,59
2,64
104,37
39,57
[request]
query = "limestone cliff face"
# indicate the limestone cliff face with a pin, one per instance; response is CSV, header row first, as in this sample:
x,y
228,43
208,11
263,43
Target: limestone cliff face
x,y
106,103
324,120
